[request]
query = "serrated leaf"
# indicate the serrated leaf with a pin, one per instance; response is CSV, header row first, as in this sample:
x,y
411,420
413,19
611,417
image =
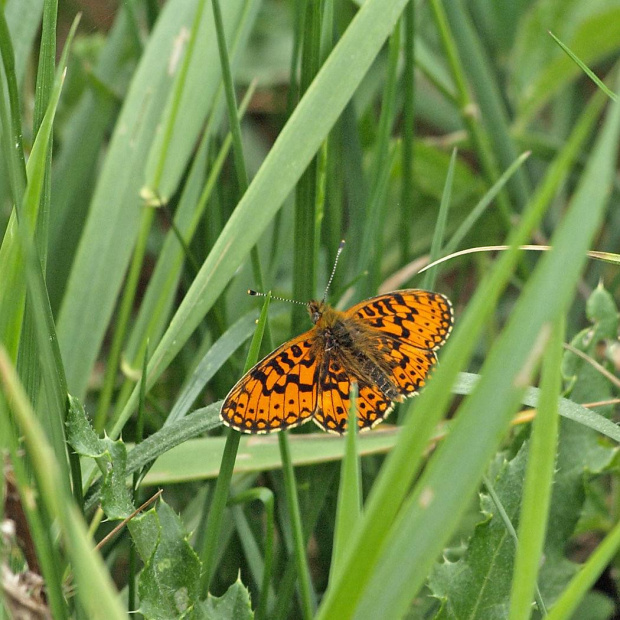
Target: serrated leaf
x,y
478,585
115,499
587,384
145,531
169,583
234,605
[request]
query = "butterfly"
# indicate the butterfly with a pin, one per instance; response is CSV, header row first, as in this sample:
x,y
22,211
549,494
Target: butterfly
x,y
386,344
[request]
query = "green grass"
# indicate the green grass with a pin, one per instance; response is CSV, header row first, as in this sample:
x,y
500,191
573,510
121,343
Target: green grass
x,y
195,150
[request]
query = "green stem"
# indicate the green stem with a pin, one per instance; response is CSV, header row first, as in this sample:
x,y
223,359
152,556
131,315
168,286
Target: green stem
x,y
216,511
292,502
235,127
406,206
122,321
467,106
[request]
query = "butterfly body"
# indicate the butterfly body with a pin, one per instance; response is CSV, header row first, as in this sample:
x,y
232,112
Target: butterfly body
x,y
385,344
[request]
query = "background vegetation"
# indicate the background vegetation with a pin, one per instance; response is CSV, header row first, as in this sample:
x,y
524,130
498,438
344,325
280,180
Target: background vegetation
x,y
159,160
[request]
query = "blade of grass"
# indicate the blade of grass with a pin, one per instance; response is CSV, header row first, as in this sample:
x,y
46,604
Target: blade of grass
x,y
513,534
349,505
473,216
95,590
465,105
109,234
222,485
215,357
305,257
10,119
585,68
538,480
369,250
430,277
307,598
493,113
266,497
408,132
583,581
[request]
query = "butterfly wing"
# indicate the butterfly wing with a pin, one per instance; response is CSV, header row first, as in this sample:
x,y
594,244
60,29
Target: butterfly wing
x,y
335,381
278,393
409,326
421,319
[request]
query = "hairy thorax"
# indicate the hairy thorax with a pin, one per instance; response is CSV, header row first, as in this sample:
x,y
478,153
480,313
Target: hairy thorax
x,y
355,345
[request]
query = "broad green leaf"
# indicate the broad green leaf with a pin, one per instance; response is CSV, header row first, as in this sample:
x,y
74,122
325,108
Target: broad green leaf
x,y
95,590
478,585
168,583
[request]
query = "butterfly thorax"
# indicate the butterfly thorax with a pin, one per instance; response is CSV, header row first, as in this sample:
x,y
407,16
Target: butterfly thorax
x,y
353,344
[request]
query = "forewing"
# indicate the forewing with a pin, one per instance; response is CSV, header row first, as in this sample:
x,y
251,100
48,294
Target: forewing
x,y
334,402
278,393
422,319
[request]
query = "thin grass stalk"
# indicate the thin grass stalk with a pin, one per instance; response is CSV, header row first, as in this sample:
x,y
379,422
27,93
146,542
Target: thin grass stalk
x,y
299,18
513,534
377,209
213,526
492,110
466,107
292,502
39,524
369,250
430,277
305,258
171,118
133,559
538,480
43,91
587,576
216,510
134,28
474,215
266,497
406,199
235,127
124,316
11,118
349,506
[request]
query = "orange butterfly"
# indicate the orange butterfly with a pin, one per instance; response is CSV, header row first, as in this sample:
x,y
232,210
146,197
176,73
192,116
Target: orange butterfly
x,y
386,344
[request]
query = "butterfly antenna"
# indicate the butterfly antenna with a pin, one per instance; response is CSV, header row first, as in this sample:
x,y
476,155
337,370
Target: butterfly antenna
x,y
276,298
331,277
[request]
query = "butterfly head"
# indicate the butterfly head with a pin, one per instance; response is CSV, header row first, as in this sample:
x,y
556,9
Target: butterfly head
x,y
315,310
